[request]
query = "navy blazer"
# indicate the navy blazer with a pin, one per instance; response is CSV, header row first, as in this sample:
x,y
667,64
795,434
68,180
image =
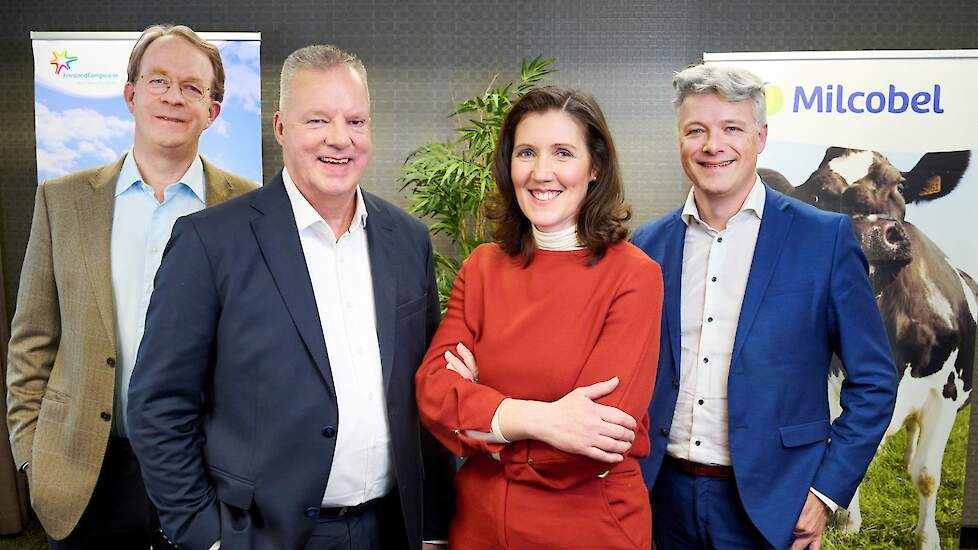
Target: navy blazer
x,y
808,297
232,410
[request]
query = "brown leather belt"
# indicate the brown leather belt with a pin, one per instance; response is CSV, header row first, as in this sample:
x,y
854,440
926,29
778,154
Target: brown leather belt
x,y
697,469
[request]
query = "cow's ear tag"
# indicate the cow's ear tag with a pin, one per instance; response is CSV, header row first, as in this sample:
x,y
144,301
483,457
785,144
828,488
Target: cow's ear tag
x,y
932,186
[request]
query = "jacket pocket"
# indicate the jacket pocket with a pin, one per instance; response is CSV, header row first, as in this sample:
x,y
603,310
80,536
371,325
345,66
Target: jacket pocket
x,y
789,287
232,489
52,394
805,434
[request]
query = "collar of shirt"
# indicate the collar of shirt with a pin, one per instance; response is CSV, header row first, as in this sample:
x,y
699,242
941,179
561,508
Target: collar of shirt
x,y
193,178
754,203
306,215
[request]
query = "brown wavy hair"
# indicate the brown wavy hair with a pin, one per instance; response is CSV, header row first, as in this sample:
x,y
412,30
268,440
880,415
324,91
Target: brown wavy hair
x,y
601,219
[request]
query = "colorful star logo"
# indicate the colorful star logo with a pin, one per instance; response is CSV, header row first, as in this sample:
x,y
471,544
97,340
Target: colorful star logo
x,y
62,60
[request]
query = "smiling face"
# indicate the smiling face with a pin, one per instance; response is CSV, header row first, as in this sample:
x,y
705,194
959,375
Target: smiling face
x,y
169,122
718,144
324,132
551,168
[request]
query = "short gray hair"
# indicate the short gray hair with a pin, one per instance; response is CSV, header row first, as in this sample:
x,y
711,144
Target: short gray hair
x,y
730,83
317,56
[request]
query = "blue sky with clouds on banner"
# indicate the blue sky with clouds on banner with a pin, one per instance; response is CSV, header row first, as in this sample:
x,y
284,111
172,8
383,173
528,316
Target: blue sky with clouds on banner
x,y
75,132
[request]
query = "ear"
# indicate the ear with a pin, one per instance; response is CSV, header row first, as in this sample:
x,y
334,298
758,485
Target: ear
x,y
935,175
761,139
212,112
278,126
831,154
129,95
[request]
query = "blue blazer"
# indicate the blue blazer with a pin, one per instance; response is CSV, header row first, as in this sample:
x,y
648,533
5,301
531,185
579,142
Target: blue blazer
x,y
808,297
232,409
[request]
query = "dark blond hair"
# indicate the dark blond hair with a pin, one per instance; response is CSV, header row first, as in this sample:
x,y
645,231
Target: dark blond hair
x,y
601,220
159,31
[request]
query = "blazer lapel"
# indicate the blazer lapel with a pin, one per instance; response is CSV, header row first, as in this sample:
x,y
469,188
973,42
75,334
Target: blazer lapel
x,y
775,224
672,268
279,242
383,273
95,221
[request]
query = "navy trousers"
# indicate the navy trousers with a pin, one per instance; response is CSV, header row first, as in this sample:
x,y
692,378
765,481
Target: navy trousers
x,y
700,512
378,528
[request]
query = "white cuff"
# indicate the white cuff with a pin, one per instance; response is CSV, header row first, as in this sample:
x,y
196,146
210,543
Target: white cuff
x,y
496,430
828,502
215,546
494,436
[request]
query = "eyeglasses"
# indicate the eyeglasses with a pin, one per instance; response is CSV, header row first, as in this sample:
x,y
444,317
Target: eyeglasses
x,y
159,84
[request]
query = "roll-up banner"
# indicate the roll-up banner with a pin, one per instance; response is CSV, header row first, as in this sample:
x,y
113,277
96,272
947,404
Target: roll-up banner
x,y
888,138
81,118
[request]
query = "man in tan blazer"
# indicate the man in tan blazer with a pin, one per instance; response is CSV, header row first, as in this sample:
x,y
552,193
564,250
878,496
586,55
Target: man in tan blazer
x,y
96,241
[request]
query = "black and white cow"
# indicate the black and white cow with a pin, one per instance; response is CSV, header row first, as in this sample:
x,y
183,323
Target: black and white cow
x,y
928,306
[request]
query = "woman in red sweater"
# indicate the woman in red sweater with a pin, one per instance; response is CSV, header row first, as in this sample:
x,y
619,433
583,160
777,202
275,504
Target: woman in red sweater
x,y
542,370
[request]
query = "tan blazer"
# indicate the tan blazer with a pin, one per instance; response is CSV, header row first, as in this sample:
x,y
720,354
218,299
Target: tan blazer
x,y
62,356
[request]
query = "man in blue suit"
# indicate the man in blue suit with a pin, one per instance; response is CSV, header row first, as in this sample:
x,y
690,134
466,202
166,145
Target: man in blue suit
x,y
272,403
760,291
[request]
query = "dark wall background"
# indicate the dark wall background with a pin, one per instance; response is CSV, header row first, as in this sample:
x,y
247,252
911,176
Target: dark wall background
x,y
422,56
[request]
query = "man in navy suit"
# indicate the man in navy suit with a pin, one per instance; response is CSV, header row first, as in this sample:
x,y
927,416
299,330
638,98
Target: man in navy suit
x,y
760,291
272,403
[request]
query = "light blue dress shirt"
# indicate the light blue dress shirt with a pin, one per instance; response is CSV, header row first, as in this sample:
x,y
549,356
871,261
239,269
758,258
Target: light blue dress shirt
x,y
141,227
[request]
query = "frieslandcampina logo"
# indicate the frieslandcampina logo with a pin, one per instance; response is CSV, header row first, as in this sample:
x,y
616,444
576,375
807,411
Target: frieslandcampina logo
x,y
62,61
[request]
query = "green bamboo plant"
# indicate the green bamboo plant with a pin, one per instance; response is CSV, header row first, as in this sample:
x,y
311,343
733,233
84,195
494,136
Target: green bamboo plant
x,y
449,181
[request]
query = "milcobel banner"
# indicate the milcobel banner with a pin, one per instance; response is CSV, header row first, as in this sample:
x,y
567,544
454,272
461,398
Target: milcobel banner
x,y
81,118
887,138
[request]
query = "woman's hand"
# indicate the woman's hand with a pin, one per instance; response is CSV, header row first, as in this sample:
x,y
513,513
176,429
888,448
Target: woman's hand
x,y
574,423
465,366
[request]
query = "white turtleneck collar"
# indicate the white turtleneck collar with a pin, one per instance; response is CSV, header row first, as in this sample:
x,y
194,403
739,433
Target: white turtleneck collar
x,y
565,239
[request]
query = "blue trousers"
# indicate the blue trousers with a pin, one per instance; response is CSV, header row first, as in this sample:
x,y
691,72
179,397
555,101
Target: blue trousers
x,y
700,512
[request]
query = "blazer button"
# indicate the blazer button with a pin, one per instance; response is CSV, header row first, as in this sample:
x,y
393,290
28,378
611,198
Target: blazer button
x,y
664,431
110,362
328,431
105,416
311,512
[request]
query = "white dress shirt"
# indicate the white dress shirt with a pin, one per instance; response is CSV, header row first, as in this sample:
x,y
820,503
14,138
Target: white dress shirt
x,y
716,265
339,268
141,227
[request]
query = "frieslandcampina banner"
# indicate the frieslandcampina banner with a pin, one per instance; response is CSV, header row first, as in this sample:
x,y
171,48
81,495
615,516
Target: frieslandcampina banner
x,y
888,138
81,118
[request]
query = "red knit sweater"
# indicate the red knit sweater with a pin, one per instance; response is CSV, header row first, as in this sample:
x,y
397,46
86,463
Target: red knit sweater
x,y
538,332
